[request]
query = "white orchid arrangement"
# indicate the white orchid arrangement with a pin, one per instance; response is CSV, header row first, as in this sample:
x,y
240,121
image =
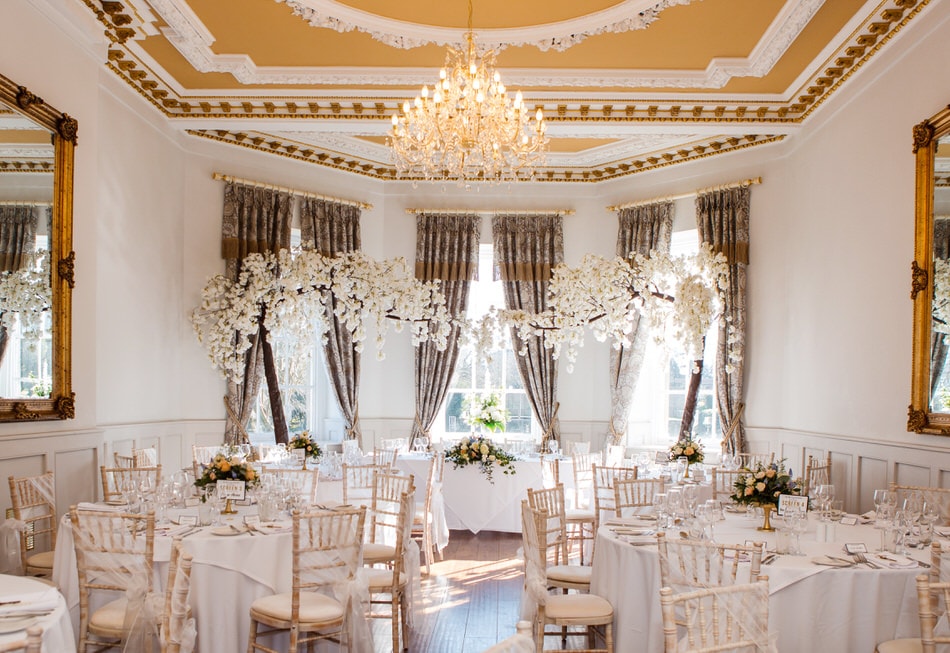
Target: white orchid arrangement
x,y
291,294
26,296
679,297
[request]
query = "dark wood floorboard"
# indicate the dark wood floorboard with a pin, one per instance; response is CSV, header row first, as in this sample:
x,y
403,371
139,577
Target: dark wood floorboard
x,y
470,601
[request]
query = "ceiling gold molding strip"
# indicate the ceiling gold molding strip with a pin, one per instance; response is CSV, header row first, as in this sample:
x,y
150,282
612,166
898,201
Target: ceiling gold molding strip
x,y
292,191
682,196
435,211
713,147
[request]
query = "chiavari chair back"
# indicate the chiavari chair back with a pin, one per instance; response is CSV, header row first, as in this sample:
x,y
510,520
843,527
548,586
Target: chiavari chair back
x,y
817,472
604,479
687,564
723,481
553,540
423,521
385,457
388,585
385,514
33,502
635,495
117,480
307,481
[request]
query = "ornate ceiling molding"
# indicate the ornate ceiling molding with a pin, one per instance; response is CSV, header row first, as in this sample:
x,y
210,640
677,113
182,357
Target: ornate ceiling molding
x,y
625,16
193,40
271,144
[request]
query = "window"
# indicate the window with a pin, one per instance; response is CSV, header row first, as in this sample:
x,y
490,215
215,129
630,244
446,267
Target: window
x,y
472,374
657,407
309,404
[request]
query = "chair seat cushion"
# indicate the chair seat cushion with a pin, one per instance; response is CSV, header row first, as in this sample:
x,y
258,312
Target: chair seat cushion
x,y
108,621
900,646
374,552
577,514
43,560
578,606
314,607
579,574
381,579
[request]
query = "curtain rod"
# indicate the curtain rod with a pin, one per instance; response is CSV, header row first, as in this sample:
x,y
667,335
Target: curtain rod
x,y
683,196
492,211
292,191
24,203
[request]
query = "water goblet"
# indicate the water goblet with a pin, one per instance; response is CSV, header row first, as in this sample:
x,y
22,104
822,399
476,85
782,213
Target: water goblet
x,y
659,509
880,498
929,514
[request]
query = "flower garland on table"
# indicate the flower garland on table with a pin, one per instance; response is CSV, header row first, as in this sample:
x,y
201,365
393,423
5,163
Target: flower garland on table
x,y
482,452
691,449
765,484
227,468
303,441
485,411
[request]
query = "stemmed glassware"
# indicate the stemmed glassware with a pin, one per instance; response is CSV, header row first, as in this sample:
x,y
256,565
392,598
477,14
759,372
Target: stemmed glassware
x,y
881,497
929,514
796,519
824,495
660,510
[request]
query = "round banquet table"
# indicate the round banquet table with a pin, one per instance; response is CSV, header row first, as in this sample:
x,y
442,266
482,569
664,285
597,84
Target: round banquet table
x,y
811,607
228,573
57,627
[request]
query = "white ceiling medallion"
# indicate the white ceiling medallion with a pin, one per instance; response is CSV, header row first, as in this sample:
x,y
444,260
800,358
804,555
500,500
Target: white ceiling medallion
x,y
625,16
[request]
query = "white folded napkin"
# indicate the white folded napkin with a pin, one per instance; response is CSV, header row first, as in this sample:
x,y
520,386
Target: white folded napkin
x,y
890,561
86,505
638,540
43,600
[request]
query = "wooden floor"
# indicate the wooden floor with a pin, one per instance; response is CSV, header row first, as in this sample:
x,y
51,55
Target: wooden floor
x,y
471,600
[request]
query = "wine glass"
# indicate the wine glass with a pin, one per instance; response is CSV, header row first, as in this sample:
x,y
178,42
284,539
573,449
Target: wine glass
x,y
824,495
880,498
659,509
796,518
929,514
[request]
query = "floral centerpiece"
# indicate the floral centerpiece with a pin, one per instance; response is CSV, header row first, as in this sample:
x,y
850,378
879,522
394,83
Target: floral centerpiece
x,y
485,411
227,468
483,452
764,485
691,449
303,441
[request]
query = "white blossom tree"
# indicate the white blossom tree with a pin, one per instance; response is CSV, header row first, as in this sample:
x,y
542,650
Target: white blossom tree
x,y
289,295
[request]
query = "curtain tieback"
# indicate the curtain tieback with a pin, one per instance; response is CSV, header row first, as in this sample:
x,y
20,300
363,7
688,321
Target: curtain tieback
x,y
353,429
733,424
422,430
614,433
549,431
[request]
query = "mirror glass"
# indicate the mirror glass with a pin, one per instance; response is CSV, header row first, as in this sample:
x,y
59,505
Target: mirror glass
x,y
36,260
940,347
26,199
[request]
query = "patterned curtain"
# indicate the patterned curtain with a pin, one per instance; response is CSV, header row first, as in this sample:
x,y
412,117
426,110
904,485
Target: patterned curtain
x,y
332,228
642,229
17,240
446,249
723,218
255,220
938,341
527,247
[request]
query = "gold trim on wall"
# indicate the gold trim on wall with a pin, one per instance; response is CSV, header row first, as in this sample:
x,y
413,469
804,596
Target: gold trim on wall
x,y
61,403
920,419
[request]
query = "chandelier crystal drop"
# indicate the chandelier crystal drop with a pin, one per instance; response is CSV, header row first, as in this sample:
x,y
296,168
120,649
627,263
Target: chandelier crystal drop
x,y
468,128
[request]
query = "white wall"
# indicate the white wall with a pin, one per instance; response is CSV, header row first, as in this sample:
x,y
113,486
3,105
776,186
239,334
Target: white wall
x,y
832,237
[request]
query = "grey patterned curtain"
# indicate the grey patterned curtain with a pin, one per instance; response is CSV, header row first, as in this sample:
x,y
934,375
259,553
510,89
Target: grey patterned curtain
x,y
447,250
527,247
938,346
17,240
332,228
255,220
642,229
723,219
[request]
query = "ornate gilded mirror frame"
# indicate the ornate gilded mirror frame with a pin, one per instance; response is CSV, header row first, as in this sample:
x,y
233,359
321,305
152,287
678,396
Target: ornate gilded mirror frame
x,y
921,417
61,401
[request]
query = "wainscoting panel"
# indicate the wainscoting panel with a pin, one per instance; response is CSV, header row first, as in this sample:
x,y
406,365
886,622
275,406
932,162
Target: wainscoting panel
x,y
74,483
858,466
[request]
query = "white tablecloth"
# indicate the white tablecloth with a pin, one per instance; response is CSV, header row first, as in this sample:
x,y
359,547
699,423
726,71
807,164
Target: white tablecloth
x,y
57,627
811,608
228,573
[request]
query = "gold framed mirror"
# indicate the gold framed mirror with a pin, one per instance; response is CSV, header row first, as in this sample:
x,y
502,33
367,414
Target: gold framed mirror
x,y
37,145
929,410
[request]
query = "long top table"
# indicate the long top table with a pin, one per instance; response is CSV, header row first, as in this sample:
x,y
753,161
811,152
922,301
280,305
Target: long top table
x,y
811,607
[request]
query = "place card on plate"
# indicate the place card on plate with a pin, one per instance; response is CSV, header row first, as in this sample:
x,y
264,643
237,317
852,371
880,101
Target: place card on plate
x,y
855,547
252,519
188,520
787,500
849,520
231,490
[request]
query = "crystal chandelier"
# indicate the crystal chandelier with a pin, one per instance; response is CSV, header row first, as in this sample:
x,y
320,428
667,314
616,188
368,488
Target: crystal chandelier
x,y
468,128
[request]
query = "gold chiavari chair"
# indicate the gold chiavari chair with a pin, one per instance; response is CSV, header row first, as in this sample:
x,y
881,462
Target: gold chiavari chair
x,y
32,644
423,521
33,501
604,478
635,495
387,586
817,472
560,572
723,481
384,525
114,479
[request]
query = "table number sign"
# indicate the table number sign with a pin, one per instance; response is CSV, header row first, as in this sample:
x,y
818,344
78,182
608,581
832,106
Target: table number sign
x,y
299,454
785,501
231,490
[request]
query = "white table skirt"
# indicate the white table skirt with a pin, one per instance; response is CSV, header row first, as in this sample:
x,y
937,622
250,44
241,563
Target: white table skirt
x,y
811,608
57,627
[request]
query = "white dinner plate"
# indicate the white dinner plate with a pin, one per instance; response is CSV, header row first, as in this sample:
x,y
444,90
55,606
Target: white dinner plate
x,y
12,625
227,530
